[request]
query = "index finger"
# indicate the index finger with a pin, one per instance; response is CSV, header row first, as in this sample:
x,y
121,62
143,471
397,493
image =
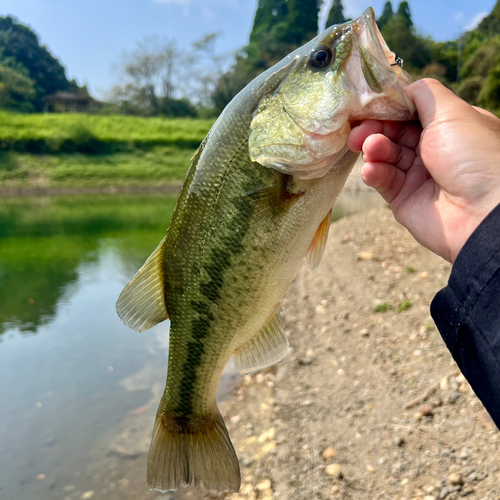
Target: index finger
x,y
406,134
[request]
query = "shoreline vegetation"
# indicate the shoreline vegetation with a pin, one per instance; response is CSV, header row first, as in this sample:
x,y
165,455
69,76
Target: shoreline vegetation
x,y
43,153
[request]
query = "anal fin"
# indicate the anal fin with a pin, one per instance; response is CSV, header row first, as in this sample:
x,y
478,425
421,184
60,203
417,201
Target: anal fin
x,y
317,248
141,305
266,348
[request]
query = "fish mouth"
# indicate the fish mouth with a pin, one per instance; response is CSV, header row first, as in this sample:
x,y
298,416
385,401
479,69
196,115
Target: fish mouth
x,y
377,71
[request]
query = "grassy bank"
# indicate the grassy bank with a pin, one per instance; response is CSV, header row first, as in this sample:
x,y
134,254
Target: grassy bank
x,y
69,133
159,165
75,150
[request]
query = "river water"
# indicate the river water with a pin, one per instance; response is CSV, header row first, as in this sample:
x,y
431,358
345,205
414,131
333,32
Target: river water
x,y
78,389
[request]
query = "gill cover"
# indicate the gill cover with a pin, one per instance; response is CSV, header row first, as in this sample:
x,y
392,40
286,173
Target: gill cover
x,y
344,74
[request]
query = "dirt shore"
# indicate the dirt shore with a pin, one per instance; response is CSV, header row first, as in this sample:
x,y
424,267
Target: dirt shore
x,y
367,405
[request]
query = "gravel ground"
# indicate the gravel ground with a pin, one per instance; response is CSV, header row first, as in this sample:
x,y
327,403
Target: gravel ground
x,y
369,403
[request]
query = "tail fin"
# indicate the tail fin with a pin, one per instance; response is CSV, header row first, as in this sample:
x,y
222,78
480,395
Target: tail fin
x,y
197,452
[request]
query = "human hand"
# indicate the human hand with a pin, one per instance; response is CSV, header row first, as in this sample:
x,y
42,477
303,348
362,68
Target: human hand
x,y
441,177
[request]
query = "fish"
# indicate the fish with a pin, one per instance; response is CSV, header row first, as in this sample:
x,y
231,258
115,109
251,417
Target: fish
x,y
256,201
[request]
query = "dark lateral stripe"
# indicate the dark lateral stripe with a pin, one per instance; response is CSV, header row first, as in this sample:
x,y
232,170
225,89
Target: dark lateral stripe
x,y
220,262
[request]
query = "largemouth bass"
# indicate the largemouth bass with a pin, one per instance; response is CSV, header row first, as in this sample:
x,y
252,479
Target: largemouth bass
x,y
256,201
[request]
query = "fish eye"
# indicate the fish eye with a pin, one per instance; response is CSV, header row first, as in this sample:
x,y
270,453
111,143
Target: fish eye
x,y
320,57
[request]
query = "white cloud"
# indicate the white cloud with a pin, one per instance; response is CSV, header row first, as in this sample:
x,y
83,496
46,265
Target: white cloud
x,y
458,16
475,21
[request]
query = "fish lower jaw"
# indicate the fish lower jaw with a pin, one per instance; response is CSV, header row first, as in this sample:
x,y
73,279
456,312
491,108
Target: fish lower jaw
x,y
315,168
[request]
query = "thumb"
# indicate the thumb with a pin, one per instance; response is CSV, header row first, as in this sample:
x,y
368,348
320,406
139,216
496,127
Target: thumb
x,y
433,100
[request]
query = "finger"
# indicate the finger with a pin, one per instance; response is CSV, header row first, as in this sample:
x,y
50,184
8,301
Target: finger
x,y
359,134
405,133
427,93
385,178
378,148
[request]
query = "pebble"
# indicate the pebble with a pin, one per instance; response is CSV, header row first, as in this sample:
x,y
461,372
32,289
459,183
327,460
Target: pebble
x,y
328,453
123,483
87,494
472,477
267,435
429,497
306,361
364,332
399,441
444,493
426,411
453,397
264,485
455,479
464,454
334,470
371,469
443,383
365,255
40,477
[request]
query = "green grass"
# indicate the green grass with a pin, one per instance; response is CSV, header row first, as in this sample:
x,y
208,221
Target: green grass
x,y
159,165
406,304
78,150
381,307
72,132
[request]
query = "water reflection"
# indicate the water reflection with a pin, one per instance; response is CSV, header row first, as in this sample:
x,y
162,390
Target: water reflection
x,y
44,240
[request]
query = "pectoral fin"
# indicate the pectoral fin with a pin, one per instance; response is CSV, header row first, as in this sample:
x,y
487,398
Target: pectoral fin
x,y
273,200
268,347
141,305
317,248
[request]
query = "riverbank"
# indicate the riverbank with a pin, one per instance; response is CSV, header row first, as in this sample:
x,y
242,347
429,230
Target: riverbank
x,y
367,405
50,152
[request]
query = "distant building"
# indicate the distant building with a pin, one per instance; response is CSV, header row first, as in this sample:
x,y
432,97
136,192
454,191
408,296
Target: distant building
x,y
69,102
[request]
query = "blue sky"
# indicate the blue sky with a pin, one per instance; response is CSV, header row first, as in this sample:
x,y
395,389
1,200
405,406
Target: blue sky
x,y
88,36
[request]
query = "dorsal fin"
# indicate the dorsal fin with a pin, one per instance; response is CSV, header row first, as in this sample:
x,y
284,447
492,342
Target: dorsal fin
x,y
317,248
141,305
266,348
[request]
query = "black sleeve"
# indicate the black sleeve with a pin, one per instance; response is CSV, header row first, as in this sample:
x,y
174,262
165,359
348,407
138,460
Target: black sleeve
x,y
467,312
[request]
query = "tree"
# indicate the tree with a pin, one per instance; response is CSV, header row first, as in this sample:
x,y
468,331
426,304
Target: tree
x,y
20,43
269,13
16,90
149,76
490,25
404,13
387,15
400,36
336,14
